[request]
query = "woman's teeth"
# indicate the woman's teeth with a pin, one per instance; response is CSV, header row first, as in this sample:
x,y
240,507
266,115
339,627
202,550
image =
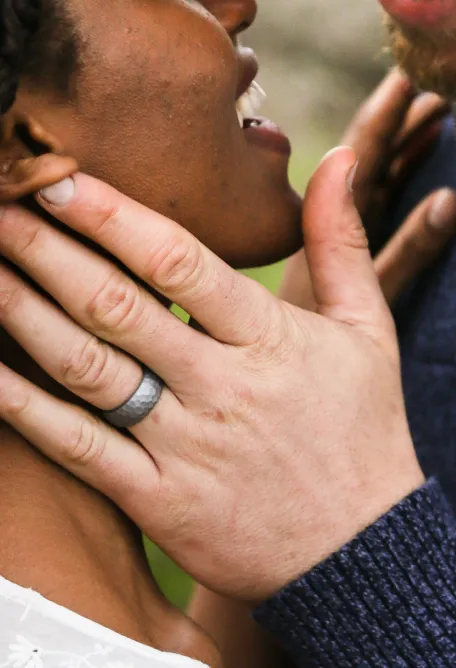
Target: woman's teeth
x,y
249,104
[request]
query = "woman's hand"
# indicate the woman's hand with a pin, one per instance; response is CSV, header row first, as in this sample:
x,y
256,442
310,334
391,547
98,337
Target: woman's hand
x,y
272,440
392,132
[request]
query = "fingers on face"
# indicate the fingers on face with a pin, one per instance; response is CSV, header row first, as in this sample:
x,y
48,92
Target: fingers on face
x,y
166,257
101,375
97,372
417,243
99,297
90,449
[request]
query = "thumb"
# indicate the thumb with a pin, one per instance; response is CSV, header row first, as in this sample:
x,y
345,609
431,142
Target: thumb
x,y
345,285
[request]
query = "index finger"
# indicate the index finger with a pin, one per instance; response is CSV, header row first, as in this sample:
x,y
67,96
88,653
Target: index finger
x,y
162,254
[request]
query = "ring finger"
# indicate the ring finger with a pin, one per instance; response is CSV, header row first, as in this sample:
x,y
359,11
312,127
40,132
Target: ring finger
x,y
109,461
99,374
104,301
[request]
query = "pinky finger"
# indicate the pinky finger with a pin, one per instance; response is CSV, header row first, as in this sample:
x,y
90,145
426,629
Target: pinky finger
x,y
417,243
87,447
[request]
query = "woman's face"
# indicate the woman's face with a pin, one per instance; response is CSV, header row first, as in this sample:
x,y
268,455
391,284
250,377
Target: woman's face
x,y
155,116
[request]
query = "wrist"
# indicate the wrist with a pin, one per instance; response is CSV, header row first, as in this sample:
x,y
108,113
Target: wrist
x,y
352,509
366,504
376,594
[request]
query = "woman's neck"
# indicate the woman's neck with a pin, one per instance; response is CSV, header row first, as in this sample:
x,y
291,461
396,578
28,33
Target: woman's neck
x,y
63,539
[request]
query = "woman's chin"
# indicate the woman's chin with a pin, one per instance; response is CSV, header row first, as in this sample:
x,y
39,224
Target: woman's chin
x,y
274,239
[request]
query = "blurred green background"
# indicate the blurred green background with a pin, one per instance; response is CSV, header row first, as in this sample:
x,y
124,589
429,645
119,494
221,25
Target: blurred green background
x,y
317,63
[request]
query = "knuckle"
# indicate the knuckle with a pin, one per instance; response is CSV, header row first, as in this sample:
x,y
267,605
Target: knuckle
x,y
108,215
29,240
275,339
252,327
189,359
354,235
87,366
116,305
15,403
86,442
268,345
176,266
9,300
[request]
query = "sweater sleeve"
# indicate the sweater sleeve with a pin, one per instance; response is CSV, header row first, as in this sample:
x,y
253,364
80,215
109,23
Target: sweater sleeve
x,y
387,599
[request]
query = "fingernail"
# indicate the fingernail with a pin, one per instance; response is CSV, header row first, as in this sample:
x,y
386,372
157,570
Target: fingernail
x,y
351,177
59,194
442,213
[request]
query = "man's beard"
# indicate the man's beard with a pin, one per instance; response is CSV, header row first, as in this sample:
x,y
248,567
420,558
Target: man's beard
x,y
429,59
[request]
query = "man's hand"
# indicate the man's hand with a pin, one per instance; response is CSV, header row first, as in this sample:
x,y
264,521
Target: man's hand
x,y
280,435
391,134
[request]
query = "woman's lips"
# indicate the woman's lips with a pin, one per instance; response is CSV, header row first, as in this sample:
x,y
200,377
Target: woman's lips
x,y
423,14
249,99
266,134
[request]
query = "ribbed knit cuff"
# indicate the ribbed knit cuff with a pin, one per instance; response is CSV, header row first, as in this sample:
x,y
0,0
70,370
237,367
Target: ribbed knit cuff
x,y
387,599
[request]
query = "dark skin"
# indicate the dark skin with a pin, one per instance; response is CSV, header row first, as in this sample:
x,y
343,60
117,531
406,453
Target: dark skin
x,y
171,140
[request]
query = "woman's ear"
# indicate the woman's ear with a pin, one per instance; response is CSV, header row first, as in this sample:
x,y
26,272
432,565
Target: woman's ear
x,y
30,157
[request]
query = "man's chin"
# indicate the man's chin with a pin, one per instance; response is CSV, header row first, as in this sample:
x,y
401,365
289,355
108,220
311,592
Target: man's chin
x,y
429,59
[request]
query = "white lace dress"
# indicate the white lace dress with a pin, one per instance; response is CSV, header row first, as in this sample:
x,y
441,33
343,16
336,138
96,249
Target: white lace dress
x,y
35,633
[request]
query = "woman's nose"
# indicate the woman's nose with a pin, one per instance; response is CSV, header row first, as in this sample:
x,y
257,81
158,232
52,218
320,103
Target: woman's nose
x,y
234,15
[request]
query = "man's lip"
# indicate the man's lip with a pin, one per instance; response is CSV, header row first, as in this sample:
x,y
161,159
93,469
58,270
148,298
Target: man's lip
x,y
423,14
248,69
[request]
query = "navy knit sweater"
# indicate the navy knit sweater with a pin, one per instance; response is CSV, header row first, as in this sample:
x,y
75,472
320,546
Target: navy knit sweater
x,y
388,598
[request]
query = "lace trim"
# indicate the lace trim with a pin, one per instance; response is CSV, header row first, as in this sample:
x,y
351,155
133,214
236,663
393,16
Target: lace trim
x,y
21,649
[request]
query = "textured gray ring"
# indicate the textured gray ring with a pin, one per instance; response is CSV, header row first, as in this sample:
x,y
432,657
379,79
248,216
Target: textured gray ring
x,y
139,405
